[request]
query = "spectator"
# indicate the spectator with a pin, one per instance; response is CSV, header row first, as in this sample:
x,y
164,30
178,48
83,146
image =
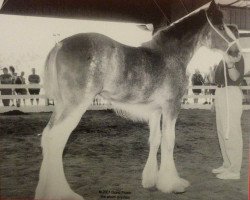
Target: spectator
x,y
209,81
206,91
34,79
22,77
13,74
197,80
13,79
12,70
21,91
5,78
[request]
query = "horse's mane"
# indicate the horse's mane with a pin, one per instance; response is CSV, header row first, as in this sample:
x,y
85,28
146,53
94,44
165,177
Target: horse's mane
x,y
187,25
175,23
188,20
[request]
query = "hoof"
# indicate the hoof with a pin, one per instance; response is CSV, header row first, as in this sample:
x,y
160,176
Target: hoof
x,y
181,186
149,176
148,182
172,183
64,195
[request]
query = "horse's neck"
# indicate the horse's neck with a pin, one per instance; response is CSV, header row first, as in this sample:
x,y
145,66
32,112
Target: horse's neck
x,y
181,49
181,41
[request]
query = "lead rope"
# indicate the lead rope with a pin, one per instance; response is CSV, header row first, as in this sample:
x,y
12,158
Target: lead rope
x,y
222,36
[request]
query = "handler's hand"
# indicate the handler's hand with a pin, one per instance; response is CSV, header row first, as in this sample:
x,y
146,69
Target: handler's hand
x,y
213,107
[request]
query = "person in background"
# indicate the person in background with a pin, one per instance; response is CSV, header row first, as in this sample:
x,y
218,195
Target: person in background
x,y
13,80
34,79
206,91
20,91
5,78
22,77
12,70
209,81
228,117
197,80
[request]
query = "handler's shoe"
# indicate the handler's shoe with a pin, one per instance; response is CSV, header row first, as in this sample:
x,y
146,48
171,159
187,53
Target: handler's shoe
x,y
219,170
228,175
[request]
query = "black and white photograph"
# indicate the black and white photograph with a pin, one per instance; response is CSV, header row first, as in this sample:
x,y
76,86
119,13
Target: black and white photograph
x,y
124,99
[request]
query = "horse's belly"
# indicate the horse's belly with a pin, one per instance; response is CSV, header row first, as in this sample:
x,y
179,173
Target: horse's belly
x,y
137,109
127,95
135,112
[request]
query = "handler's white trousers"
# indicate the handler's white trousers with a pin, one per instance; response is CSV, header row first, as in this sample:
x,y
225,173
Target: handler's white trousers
x,y
232,147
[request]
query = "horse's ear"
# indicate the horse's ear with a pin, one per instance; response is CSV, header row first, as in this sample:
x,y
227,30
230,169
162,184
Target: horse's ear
x,y
214,13
213,7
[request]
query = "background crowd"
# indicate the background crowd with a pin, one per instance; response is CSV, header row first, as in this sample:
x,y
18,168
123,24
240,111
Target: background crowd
x,y
10,76
208,80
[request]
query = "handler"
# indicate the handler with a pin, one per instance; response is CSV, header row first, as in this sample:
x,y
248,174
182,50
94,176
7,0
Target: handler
x,y
231,147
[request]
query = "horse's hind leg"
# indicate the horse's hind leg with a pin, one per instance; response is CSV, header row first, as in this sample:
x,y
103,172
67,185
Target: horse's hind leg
x,y
52,181
57,113
149,175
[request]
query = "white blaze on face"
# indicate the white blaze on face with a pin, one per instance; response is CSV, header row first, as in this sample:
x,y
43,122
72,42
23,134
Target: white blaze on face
x,y
232,36
229,32
228,58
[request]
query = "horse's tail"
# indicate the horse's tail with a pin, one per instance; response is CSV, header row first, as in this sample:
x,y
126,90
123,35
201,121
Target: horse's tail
x,y
51,86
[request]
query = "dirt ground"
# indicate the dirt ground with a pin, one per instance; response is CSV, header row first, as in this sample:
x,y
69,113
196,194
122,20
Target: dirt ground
x,y
107,152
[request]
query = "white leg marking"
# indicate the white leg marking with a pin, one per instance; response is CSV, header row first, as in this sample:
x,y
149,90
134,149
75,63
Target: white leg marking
x,y
43,169
52,181
168,179
149,175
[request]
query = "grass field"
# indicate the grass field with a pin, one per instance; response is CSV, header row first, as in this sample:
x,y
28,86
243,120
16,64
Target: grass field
x,y
107,152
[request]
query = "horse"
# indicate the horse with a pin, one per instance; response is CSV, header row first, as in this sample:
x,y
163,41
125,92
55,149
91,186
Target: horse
x,y
143,83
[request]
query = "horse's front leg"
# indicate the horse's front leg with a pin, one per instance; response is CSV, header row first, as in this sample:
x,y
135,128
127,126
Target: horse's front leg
x,y
149,175
168,179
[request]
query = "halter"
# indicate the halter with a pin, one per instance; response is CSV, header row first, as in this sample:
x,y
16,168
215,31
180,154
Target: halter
x,y
230,44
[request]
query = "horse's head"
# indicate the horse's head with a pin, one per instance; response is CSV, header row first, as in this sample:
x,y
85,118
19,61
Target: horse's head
x,y
222,37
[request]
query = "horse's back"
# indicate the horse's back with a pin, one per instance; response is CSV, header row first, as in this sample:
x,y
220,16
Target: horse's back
x,y
87,41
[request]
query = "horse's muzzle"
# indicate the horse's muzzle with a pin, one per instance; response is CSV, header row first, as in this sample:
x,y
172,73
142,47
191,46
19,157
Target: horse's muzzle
x,y
234,53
